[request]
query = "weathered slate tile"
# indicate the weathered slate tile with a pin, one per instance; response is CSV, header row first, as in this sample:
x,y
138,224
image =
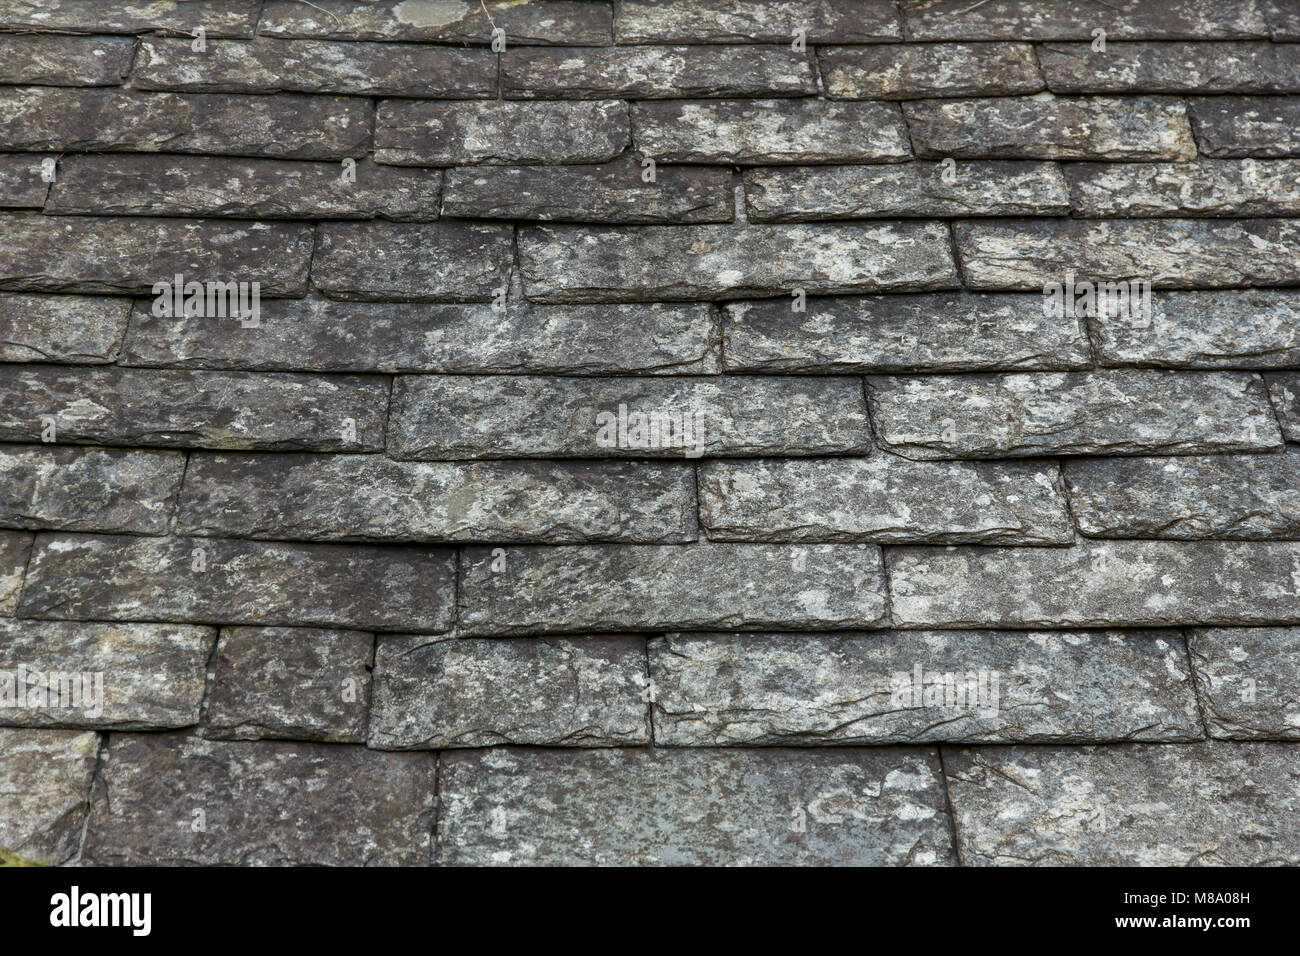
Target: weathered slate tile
x,y
904,71
653,263
1284,390
15,548
515,416
182,409
1209,187
371,498
64,488
317,334
643,807
1168,253
21,182
574,22
753,132
61,328
754,21
51,60
885,499
1229,126
441,261
268,803
1283,19
243,188
116,578
125,254
1097,584
917,189
287,126
119,676
218,17
1132,805
606,588
426,133
1044,127
726,690
293,683
1246,678
947,331
1076,19
45,778
480,692
1235,67
595,192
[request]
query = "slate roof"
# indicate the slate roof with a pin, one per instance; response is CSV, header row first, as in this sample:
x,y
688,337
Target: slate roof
x,y
387,577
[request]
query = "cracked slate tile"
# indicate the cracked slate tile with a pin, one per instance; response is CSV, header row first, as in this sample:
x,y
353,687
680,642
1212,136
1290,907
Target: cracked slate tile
x,y
49,60
23,180
82,330
1246,678
1234,126
1284,391
15,549
45,778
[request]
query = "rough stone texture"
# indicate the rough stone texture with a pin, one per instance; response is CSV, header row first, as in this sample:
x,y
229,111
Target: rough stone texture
x,y
1171,68
92,254
45,777
1246,678
119,578
1211,804
235,18
15,548
316,334
181,409
245,188
914,189
21,185
287,126
1097,584
290,683
949,331
596,192
692,808
754,21
603,588
266,803
1229,126
50,60
1044,127
480,692
441,261
656,72
1209,187
1076,19
727,690
414,133
899,71
753,132
61,328
1168,253
513,416
1214,496
1284,390
885,499
123,676
1283,19
88,489
650,263
1122,412
371,498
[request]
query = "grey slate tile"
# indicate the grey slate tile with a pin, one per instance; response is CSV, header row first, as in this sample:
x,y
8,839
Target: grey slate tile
x,y
1235,126
235,18
754,21
45,779
901,71
15,549
23,182
1076,19
1208,187
50,60
1284,392
84,330
1283,19
1246,679
1232,67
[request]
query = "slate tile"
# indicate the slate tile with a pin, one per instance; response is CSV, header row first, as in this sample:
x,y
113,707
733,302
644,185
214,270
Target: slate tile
x,y
15,548
902,71
1246,678
754,21
1076,19
50,60
45,778
1283,19
1235,67
22,185
235,18
1284,391
1234,126
1208,187
80,329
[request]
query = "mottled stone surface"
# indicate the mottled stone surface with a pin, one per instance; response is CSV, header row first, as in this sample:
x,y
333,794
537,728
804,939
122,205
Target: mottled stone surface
x,y
1209,187
604,588
101,676
905,190
218,17
1076,19
371,498
414,133
691,808
1044,127
727,690
577,22
900,71
442,261
1284,391
949,331
1135,805
1212,496
594,192
1258,67
51,60
885,499
480,692
88,489
1283,19
61,328
1122,412
115,578
287,126
266,803
21,182
181,409
245,188
515,416
15,548
293,683
753,132
1097,584
650,263
315,334
45,778
1247,680
1247,125
754,21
